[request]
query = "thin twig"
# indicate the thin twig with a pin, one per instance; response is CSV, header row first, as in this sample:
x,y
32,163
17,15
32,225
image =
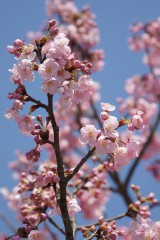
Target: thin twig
x,y
38,102
92,236
80,164
106,220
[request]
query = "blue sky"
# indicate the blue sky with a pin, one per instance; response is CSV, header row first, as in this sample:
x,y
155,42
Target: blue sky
x,y
113,18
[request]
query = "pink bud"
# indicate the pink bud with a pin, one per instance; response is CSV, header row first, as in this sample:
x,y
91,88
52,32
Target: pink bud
x,y
140,113
18,43
104,116
56,31
77,63
11,49
43,217
52,23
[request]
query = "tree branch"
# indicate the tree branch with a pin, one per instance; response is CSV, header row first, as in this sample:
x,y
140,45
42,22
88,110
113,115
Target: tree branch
x,y
106,220
39,103
62,201
80,164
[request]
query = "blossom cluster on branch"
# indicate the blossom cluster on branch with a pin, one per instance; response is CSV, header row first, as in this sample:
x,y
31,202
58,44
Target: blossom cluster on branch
x,y
85,148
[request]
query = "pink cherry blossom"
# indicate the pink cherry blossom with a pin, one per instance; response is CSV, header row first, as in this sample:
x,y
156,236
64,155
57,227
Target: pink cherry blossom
x,y
26,124
146,229
57,49
104,146
104,116
18,42
107,107
88,135
62,75
83,89
23,70
48,69
136,27
133,148
48,45
136,122
120,158
35,235
73,207
59,52
10,49
28,52
61,40
109,127
50,86
17,105
11,113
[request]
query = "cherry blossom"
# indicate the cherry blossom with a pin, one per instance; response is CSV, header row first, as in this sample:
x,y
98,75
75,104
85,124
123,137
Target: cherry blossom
x,y
104,146
26,124
107,107
73,207
89,135
109,127
35,235
50,86
23,71
48,69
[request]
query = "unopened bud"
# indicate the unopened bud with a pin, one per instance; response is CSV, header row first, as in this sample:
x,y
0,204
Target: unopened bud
x,y
52,23
18,43
43,217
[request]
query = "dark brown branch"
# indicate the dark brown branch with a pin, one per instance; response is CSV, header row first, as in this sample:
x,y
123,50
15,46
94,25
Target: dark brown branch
x,y
38,52
50,142
137,160
80,164
39,103
62,202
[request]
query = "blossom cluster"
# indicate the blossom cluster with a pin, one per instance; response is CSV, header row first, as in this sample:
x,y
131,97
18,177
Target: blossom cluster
x,y
143,90
60,71
108,141
81,29
142,229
